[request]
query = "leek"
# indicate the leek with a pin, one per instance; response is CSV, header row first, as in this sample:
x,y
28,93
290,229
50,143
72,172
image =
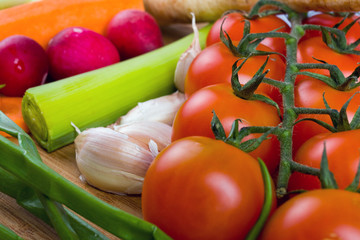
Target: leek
x,y
12,3
100,97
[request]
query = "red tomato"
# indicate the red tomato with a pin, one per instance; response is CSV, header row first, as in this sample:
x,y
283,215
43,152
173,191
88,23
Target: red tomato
x,y
200,188
234,26
319,214
309,94
214,65
343,158
315,47
194,118
328,20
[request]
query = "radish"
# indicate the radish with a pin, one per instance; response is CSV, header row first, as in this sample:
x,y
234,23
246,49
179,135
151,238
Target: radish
x,y
134,32
23,64
76,50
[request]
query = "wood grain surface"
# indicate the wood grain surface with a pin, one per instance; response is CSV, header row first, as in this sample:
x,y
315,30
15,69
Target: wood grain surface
x,y
62,161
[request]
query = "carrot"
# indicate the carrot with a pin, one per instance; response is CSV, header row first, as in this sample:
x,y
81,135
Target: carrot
x,y
178,11
41,20
11,106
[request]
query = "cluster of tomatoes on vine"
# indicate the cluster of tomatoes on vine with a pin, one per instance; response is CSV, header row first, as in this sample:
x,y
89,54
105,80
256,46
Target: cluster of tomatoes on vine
x,y
199,187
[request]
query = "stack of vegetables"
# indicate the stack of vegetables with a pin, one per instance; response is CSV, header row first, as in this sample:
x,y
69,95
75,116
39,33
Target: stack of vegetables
x,y
260,144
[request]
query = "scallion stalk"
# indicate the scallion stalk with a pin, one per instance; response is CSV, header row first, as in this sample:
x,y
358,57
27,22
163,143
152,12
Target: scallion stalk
x,y
29,199
21,161
99,97
67,224
6,233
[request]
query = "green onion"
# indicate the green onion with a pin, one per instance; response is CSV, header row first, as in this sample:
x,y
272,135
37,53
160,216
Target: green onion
x,y
6,233
267,206
67,224
100,97
22,162
29,199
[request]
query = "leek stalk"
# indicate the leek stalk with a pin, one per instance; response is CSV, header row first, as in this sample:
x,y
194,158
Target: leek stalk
x,y
12,3
100,97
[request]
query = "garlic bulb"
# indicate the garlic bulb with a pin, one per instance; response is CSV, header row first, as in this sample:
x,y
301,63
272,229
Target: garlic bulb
x,y
161,109
155,131
186,58
116,159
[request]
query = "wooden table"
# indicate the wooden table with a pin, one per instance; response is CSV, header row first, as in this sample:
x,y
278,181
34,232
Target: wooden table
x,y
62,161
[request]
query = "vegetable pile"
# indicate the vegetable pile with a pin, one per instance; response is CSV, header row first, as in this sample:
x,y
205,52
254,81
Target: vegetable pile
x,y
264,141
38,46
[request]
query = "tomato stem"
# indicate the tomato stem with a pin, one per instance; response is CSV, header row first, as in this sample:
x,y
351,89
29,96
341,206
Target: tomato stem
x,y
274,83
286,160
255,11
335,38
336,78
301,110
287,165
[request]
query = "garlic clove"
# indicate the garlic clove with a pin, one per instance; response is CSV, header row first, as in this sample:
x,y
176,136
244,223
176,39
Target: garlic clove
x,y
161,109
186,58
116,159
145,131
153,147
112,161
98,177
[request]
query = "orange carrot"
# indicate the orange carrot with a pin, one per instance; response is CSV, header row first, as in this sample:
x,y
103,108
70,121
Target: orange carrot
x,y
41,20
11,107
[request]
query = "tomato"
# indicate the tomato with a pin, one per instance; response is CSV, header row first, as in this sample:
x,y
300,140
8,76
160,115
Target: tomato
x,y
328,20
234,26
308,93
200,188
343,158
318,214
315,48
194,118
214,65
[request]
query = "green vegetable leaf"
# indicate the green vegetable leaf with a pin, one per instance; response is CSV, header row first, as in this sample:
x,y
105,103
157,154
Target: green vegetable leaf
x,y
45,180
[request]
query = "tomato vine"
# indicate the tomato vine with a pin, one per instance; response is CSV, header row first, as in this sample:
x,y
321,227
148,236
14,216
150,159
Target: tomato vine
x,y
336,40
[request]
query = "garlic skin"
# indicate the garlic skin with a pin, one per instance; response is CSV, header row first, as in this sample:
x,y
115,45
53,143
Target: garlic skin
x,y
162,109
155,131
186,58
116,161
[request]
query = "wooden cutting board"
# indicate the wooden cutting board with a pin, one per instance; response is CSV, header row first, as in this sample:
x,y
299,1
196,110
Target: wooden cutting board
x,y
62,161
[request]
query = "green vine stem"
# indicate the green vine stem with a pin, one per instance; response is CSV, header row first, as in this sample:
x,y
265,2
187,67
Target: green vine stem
x,y
333,37
289,115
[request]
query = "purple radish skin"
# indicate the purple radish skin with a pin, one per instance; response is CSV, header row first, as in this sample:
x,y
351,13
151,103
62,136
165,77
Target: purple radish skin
x,y
23,64
76,50
134,32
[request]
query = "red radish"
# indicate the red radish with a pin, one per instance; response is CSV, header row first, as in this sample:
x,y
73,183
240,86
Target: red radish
x,y
134,32
76,50
23,64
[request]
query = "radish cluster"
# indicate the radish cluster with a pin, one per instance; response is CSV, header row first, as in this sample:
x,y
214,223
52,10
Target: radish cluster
x,y
74,50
